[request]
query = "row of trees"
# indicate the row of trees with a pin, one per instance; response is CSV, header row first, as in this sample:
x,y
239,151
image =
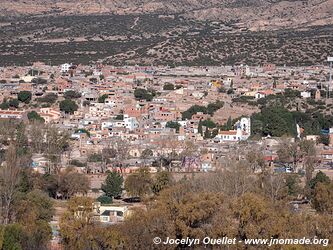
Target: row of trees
x,y
25,210
234,202
138,184
22,96
210,109
280,113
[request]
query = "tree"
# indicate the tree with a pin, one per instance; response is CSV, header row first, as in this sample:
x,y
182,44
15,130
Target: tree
x,y
36,134
71,183
147,153
256,217
210,109
56,143
102,98
162,180
323,197
79,230
319,178
4,105
112,187
289,152
68,106
9,179
171,124
143,94
168,86
293,183
71,94
39,81
207,133
24,96
209,123
77,222
48,98
34,116
104,199
13,237
14,103
256,160
200,127
139,183
95,157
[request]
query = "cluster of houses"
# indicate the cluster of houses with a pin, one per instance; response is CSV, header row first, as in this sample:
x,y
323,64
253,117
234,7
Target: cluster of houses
x,y
109,109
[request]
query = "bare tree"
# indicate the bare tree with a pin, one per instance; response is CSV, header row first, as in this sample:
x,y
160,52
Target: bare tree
x,y
37,136
9,179
56,144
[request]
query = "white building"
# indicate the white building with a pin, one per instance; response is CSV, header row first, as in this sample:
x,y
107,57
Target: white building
x,y
110,213
130,122
305,94
242,132
65,67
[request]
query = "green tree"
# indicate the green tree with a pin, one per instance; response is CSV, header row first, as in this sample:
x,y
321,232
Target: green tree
x,y
319,178
33,115
209,123
200,127
68,106
48,98
207,134
4,105
172,124
71,94
168,86
105,199
13,237
24,96
102,98
112,187
14,103
143,94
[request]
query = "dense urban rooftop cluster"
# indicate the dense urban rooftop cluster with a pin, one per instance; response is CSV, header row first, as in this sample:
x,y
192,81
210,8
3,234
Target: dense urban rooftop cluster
x,y
97,125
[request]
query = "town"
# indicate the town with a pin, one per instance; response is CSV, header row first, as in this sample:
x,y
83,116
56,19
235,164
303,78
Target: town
x,y
88,123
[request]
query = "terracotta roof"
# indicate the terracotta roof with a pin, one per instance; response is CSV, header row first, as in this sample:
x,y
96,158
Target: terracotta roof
x,y
230,132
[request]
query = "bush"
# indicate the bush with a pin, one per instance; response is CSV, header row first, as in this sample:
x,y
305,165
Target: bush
x,y
105,199
143,94
172,124
68,106
102,98
49,98
77,163
71,94
14,103
33,115
168,86
24,96
95,158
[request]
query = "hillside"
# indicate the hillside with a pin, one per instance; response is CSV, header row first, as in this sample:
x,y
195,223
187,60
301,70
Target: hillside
x,y
255,14
173,32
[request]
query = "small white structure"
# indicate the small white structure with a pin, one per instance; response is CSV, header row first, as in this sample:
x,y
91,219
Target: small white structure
x,y
242,132
65,67
305,94
110,213
259,95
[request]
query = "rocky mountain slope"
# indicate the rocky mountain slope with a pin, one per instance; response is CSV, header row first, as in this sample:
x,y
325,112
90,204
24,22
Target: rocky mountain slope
x,y
254,14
